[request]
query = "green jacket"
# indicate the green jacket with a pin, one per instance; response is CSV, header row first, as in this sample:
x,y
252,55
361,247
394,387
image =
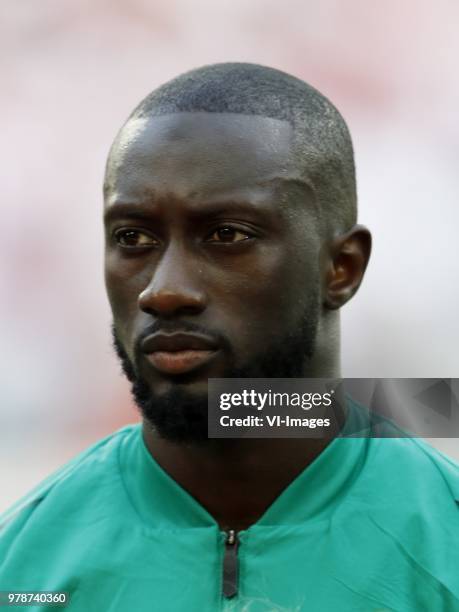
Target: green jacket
x,y
372,524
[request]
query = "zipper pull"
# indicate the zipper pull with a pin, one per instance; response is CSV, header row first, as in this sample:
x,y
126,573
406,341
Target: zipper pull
x,y
230,565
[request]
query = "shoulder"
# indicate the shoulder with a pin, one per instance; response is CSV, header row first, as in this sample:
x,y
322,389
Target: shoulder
x,y
89,472
407,477
410,494
401,515
438,464
415,467
401,465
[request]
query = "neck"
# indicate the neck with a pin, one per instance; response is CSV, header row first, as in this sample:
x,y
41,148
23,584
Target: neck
x,y
235,480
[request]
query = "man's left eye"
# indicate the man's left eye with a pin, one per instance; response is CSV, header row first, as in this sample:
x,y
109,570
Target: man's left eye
x,y
228,234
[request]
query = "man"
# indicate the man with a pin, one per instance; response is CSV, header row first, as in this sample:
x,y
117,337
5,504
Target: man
x,y
231,244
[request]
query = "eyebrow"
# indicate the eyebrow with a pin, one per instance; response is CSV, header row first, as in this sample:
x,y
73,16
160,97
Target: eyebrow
x,y
142,209
126,209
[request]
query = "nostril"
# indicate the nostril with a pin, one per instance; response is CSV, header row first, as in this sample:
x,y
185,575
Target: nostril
x,y
166,303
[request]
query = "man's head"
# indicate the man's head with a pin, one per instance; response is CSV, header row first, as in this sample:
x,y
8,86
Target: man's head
x,y
230,206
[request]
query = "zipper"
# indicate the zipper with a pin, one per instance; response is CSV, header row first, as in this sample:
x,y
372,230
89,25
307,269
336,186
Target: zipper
x,y
230,564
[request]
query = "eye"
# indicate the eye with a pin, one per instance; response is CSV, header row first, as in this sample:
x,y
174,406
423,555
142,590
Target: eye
x,y
228,234
131,238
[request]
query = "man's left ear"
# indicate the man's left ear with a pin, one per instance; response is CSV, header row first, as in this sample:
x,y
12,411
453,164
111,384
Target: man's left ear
x,y
347,257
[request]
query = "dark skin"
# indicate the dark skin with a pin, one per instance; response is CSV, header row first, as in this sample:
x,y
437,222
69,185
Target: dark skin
x,y
226,233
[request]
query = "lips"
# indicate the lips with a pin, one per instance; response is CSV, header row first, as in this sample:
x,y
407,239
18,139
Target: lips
x,y
178,353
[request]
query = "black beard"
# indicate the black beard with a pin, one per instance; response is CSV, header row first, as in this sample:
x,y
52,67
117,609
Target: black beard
x,y
181,419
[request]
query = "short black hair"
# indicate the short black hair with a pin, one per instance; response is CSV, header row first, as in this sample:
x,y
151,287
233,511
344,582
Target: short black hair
x,y
322,140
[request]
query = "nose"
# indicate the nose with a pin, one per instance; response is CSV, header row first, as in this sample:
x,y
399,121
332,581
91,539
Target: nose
x,y
172,290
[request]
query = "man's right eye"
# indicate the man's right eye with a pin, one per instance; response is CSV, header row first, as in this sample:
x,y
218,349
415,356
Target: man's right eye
x,y
132,238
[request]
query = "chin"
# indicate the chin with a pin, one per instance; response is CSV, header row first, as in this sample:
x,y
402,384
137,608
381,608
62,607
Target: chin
x,y
178,414
186,385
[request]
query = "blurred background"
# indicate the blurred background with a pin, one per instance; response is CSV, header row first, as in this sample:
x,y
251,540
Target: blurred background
x,y
73,70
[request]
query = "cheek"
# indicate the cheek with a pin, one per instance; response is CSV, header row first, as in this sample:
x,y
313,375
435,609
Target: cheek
x,y
265,294
123,288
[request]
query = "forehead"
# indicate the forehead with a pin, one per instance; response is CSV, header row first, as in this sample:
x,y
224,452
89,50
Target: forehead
x,y
198,154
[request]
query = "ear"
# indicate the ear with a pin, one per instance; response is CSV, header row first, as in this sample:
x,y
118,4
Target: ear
x,y
346,260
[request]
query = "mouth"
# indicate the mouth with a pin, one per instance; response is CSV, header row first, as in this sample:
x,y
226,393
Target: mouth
x,y
179,362
178,353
